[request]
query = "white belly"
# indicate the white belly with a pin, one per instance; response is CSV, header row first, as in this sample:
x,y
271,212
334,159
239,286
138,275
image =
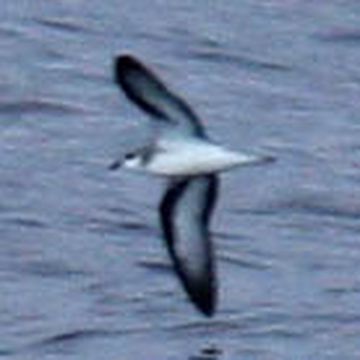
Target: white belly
x,y
194,159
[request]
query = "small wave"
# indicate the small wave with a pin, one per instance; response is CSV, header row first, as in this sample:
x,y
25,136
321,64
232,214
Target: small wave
x,y
40,105
109,226
244,263
74,336
342,289
119,210
7,31
63,24
334,317
210,352
342,36
240,60
156,265
6,352
49,269
321,205
28,222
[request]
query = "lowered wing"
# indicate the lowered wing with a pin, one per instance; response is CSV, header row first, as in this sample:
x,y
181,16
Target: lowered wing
x,y
185,213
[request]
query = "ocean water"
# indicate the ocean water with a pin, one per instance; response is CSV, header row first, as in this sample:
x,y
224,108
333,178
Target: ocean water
x,y
83,274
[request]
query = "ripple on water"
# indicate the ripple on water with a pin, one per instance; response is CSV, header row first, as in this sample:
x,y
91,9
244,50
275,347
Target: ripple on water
x,y
67,24
238,60
43,105
322,204
50,269
113,226
156,265
340,36
244,261
9,31
66,342
74,335
26,222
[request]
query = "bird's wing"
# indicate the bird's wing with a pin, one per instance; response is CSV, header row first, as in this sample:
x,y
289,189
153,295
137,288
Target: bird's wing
x,y
185,213
143,88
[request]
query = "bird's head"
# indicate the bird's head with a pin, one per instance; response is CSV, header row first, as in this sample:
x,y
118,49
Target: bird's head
x,y
130,160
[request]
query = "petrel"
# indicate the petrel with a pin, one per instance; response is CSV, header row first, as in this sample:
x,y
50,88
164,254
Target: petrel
x,y
182,152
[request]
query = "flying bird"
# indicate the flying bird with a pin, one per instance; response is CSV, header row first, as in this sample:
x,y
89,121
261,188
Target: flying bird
x,y
183,153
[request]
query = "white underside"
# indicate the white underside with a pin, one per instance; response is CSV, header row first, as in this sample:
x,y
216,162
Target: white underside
x,y
190,158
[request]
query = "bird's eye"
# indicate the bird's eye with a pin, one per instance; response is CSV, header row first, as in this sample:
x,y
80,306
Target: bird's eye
x,y
130,156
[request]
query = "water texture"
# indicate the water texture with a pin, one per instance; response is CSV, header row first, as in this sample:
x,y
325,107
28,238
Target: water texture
x,y
83,274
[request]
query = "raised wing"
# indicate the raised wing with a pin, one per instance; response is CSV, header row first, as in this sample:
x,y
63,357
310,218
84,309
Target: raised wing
x,y
185,214
143,88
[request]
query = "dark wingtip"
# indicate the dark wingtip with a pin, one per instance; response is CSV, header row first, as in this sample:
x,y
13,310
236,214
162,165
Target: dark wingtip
x,y
125,59
140,84
201,292
204,299
124,63
207,308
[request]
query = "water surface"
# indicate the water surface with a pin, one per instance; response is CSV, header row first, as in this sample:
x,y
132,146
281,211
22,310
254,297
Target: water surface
x,y
83,274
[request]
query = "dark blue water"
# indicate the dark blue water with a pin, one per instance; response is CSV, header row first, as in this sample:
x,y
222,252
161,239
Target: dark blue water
x,y
83,274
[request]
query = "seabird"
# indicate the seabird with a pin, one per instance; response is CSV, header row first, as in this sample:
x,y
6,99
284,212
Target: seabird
x,y
182,152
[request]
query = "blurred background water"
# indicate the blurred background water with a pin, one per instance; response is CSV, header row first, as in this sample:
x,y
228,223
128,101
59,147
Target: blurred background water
x,y
83,274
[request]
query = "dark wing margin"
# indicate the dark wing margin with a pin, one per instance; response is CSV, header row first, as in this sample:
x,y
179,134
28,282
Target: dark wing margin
x,y
144,88
185,213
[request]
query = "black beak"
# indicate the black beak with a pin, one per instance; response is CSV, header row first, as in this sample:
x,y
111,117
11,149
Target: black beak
x,y
115,165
